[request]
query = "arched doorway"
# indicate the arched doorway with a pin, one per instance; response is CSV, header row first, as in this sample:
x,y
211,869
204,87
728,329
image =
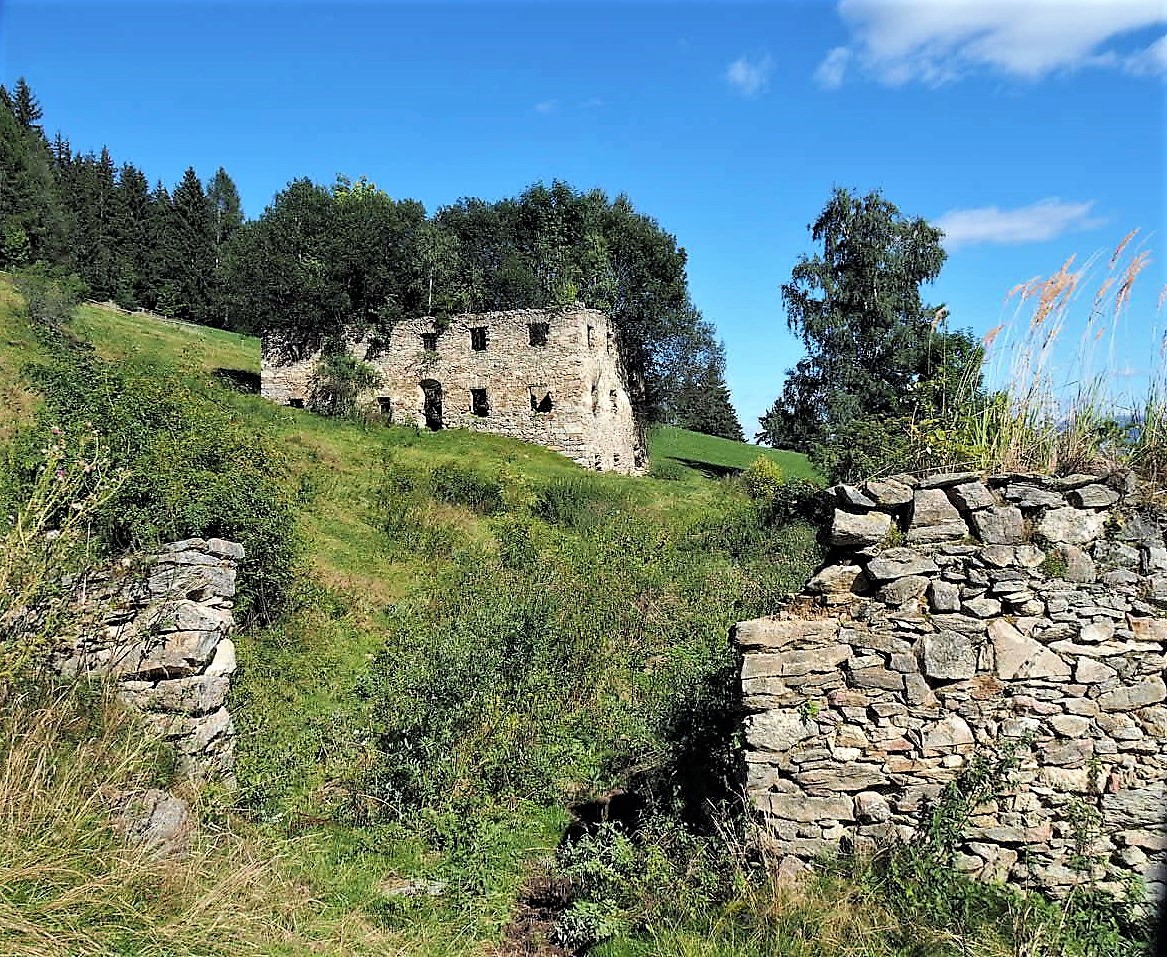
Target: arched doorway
x,y
431,403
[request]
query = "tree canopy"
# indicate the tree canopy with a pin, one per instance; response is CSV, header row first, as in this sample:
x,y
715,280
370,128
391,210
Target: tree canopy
x,y
876,353
324,262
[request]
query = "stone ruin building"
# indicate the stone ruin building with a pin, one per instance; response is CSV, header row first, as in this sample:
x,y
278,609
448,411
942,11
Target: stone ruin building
x,y
548,376
959,615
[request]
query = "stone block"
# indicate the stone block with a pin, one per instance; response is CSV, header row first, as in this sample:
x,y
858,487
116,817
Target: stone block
x,y
943,596
949,655
1019,656
971,497
850,497
951,733
880,678
852,776
774,633
778,731
888,493
836,580
934,518
827,658
894,563
998,525
1135,808
947,480
849,530
1134,696
1093,496
1073,526
1032,496
871,807
981,607
903,589
805,808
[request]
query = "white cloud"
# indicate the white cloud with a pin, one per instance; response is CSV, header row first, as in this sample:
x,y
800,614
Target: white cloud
x,y
546,106
1149,62
749,79
937,41
1045,219
830,72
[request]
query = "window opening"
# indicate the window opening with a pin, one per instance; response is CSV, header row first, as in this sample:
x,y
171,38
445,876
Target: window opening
x,y
541,399
615,460
479,403
429,341
591,337
478,338
537,333
385,405
296,403
598,462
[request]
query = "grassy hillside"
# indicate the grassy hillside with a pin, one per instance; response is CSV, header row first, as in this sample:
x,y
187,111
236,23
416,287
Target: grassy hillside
x,y
713,455
476,647
563,617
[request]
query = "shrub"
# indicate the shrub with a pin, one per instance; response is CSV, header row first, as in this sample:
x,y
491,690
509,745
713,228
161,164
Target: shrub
x,y
195,467
337,381
50,296
763,478
574,501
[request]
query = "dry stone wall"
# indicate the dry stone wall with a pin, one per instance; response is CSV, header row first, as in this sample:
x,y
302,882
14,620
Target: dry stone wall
x,y
551,377
959,614
162,632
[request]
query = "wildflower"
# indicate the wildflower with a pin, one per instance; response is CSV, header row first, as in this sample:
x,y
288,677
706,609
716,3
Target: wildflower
x,y
56,430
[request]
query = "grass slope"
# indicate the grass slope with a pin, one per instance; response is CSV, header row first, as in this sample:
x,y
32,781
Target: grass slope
x,y
712,454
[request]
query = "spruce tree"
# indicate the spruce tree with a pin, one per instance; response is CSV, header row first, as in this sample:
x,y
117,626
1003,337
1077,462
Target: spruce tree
x,y
194,239
226,213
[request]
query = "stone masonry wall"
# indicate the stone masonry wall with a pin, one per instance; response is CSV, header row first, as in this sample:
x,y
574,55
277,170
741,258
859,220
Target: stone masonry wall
x,y
163,634
957,613
566,393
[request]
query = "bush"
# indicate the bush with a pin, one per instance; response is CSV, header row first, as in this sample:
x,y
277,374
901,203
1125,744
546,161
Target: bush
x,y
337,381
195,467
50,296
46,546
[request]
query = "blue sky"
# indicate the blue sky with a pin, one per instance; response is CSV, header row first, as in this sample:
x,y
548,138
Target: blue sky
x,y
1031,130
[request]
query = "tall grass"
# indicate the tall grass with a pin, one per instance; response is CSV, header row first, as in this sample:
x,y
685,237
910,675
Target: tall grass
x,y
70,885
1058,418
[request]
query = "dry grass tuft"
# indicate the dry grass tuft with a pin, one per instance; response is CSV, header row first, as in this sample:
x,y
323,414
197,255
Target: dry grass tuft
x,y
1062,421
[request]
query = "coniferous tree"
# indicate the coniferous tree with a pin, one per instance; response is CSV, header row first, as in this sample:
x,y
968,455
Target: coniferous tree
x,y
131,228
33,221
194,240
162,291
90,184
226,213
24,106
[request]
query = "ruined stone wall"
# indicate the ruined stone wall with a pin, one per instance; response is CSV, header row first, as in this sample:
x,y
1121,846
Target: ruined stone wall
x,y
957,614
162,632
566,393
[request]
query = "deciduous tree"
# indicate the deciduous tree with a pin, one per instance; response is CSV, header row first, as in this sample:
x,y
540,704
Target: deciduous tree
x,y
877,355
